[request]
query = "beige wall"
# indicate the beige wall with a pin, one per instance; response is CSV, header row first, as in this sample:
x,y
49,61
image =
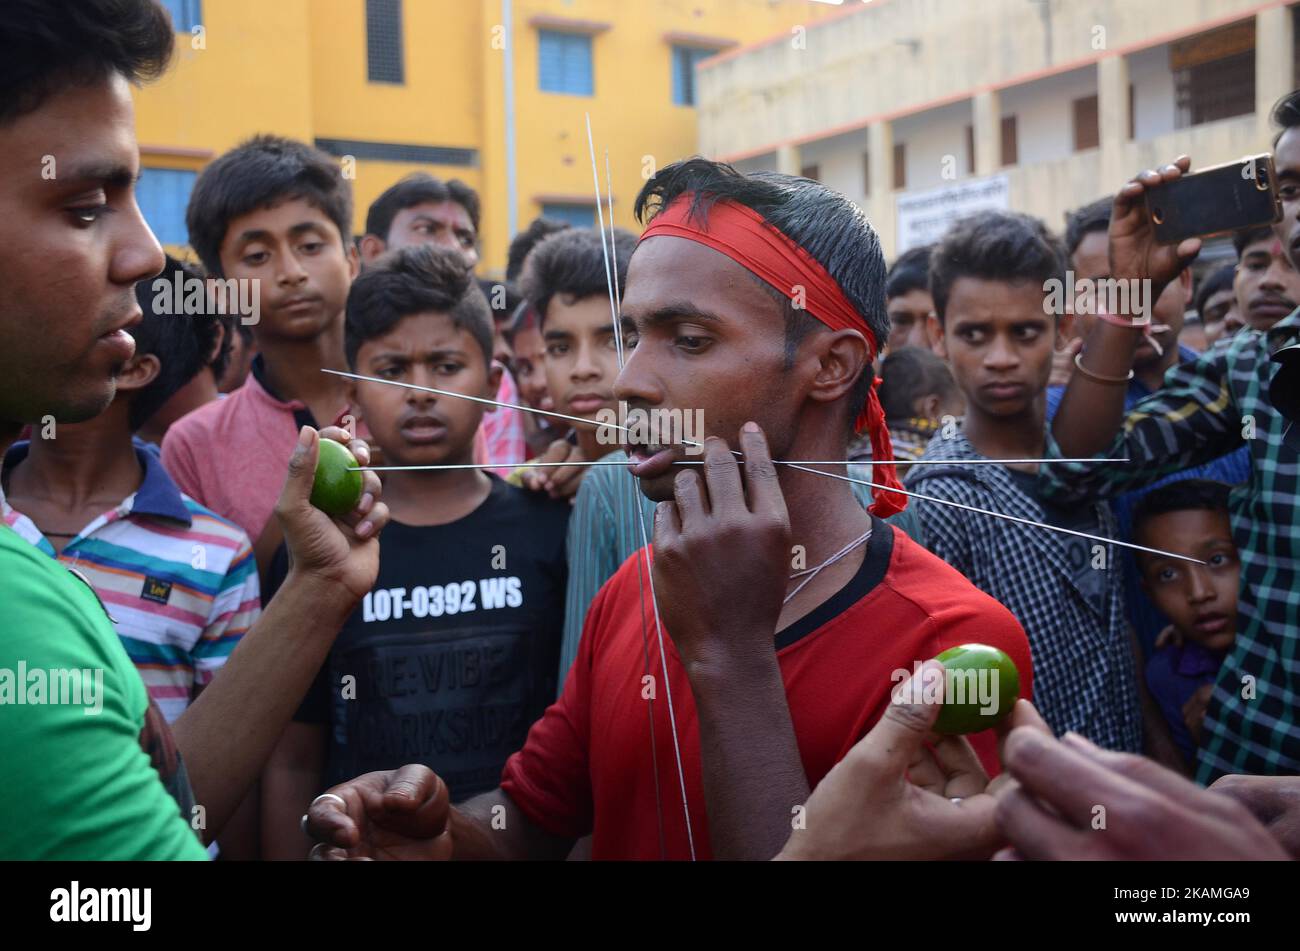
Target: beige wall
x,y
904,61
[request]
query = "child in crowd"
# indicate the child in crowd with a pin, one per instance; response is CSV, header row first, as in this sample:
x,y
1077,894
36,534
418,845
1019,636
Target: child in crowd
x,y
277,212
453,654
1189,518
917,391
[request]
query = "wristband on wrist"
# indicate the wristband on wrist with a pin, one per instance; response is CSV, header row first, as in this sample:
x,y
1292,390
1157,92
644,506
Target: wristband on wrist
x,y
1097,377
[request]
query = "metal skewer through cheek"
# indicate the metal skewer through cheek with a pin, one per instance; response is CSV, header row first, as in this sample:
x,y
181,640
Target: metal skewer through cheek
x,y
802,465
644,572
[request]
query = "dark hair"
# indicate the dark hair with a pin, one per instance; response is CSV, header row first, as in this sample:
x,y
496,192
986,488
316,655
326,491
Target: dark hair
x,y
828,226
510,298
1185,495
260,173
994,246
572,263
1247,236
1286,114
49,45
1084,221
911,272
524,318
909,373
416,279
419,188
526,240
1220,279
182,342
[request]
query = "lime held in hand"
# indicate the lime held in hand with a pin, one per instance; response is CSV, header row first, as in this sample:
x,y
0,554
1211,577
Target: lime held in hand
x,y
336,490
981,685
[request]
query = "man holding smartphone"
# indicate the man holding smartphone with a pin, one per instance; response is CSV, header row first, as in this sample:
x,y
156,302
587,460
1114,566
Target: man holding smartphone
x,y
1207,408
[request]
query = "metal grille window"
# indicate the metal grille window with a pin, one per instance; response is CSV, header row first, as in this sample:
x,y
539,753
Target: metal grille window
x,y
564,63
580,216
685,59
384,41
1219,89
186,14
1214,74
163,194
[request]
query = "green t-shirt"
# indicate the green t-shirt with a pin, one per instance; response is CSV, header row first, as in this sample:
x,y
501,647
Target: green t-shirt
x,y
74,783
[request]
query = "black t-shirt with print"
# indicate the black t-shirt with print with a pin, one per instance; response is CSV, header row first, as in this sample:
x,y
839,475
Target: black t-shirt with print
x,y
452,655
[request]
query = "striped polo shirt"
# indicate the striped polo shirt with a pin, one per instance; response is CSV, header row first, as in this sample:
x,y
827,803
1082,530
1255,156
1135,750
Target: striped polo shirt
x,y
179,581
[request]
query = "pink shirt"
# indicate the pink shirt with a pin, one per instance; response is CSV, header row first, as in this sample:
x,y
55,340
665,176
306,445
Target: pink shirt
x,y
500,440
232,455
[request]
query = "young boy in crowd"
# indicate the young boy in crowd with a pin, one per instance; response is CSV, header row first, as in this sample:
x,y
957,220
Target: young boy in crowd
x,y
917,391
524,336
989,276
1189,518
278,212
1216,302
911,318
452,655
908,301
192,369
421,209
1267,287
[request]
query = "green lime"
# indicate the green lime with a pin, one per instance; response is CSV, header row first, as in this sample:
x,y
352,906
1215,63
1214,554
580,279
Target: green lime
x,y
336,490
980,688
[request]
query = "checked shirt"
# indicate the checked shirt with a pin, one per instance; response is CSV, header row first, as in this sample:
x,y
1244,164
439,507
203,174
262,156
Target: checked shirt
x,y
1084,677
1206,409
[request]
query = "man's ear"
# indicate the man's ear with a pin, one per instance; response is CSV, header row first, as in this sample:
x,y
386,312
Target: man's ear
x,y
372,246
222,330
842,359
1064,329
354,262
935,330
350,394
928,406
139,372
493,378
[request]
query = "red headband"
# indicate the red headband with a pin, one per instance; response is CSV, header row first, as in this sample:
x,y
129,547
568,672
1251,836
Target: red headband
x,y
744,236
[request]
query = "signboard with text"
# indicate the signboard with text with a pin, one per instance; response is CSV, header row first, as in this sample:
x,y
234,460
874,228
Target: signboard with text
x,y
924,216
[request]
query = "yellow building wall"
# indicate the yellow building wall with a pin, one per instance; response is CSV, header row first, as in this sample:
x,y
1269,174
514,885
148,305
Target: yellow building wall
x,y
632,110
298,68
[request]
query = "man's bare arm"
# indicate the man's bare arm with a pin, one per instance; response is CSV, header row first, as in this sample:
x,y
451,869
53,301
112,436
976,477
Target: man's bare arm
x,y
228,733
1092,411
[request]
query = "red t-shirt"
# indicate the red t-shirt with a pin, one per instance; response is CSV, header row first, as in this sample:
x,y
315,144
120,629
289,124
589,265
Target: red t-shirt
x,y
586,765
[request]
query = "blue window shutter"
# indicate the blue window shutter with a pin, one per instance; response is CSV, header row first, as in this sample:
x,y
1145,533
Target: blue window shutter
x,y
186,14
580,216
163,195
685,59
564,63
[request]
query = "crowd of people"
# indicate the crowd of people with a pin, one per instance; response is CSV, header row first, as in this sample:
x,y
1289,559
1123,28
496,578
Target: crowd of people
x,y
539,637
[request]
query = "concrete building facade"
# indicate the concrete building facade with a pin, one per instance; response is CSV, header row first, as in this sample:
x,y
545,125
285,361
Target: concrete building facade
x,y
922,109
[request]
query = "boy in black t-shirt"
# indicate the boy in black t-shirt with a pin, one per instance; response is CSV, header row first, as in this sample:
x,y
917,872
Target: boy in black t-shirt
x,y
453,654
